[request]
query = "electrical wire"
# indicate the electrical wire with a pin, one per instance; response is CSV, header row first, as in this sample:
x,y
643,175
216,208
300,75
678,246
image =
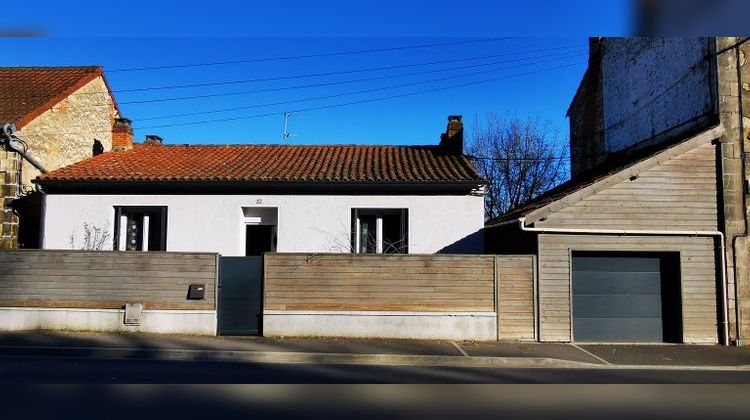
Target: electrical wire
x,y
364,101
339,82
359,92
305,56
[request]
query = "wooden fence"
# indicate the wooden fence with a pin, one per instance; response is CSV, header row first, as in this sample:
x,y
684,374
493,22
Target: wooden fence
x,y
105,280
411,283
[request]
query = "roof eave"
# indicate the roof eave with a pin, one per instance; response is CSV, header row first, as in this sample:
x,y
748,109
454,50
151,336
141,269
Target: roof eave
x,y
239,187
544,206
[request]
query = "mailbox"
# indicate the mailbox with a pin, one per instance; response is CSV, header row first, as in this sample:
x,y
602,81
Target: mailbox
x,y
197,291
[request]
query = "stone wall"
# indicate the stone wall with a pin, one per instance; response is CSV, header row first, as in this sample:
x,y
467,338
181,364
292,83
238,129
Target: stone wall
x,y
65,134
8,192
638,92
656,90
586,117
734,96
60,136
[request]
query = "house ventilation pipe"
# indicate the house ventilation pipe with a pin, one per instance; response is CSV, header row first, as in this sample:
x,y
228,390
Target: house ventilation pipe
x,y
15,144
717,234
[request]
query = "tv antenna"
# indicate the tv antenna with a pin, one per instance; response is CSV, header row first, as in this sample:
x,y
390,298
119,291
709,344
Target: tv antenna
x,y
285,134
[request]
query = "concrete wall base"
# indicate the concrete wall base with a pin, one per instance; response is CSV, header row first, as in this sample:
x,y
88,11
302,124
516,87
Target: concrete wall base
x,y
478,326
152,321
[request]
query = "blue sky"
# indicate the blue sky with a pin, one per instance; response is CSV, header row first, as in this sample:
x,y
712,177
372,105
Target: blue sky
x,y
533,68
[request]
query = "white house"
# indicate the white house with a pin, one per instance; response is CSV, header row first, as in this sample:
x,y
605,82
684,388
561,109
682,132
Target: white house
x,y
247,199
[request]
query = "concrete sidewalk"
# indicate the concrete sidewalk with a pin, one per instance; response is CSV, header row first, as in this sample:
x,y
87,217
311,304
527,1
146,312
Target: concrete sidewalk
x,y
371,351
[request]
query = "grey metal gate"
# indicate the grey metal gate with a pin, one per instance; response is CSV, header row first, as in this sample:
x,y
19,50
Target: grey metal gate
x,y
624,298
240,295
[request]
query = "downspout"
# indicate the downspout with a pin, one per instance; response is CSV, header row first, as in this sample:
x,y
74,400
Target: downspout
x,y
14,144
720,235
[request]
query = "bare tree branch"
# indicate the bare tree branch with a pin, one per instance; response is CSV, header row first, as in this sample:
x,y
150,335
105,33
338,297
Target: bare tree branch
x,y
94,238
521,158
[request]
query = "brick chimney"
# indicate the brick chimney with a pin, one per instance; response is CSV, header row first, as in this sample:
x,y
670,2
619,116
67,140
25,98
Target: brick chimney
x,y
122,135
452,141
153,139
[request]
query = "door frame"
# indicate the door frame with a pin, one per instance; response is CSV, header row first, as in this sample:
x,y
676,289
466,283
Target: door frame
x,y
244,223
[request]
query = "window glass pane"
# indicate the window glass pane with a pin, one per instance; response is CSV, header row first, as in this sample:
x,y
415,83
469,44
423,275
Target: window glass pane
x,y
393,235
155,232
133,230
367,234
394,240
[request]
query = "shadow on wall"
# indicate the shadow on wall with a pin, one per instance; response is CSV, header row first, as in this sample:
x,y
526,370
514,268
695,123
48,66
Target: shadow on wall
x,y
28,208
471,244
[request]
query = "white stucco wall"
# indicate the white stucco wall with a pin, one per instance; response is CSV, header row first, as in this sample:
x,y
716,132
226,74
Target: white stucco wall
x,y
306,223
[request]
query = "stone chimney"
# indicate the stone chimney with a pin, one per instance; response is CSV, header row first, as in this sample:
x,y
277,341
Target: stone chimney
x,y
153,139
452,141
122,135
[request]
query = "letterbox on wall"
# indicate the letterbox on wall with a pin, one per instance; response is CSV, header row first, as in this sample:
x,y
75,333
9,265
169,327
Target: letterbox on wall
x,y
197,292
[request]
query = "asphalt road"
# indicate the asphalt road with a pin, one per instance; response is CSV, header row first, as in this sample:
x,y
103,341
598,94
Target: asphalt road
x,y
27,369
362,402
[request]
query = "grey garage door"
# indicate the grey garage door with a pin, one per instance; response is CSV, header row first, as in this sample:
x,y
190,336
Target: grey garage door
x,y
629,297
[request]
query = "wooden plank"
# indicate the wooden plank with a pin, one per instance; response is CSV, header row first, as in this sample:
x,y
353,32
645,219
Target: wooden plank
x,y
515,298
698,267
181,267
383,307
359,282
95,277
71,272
104,304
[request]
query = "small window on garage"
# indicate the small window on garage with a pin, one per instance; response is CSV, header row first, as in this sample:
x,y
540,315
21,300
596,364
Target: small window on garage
x,y
141,228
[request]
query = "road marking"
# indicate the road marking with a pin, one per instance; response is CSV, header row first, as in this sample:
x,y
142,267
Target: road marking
x,y
591,354
459,348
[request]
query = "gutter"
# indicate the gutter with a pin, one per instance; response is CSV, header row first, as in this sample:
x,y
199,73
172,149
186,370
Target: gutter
x,y
717,234
14,144
239,187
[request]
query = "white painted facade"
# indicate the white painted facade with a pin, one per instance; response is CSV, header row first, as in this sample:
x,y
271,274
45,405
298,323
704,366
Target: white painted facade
x,y
305,223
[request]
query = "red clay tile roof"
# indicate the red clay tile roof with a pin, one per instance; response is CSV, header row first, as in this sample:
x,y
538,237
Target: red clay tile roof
x,y
27,92
258,163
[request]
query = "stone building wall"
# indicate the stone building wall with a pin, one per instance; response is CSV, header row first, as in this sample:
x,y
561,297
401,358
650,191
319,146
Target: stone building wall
x,y
8,192
638,92
586,117
60,136
734,96
65,134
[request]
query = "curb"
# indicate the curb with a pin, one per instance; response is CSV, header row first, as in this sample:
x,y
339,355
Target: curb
x,y
246,356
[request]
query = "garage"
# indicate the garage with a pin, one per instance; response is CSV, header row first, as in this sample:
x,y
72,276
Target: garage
x,y
626,297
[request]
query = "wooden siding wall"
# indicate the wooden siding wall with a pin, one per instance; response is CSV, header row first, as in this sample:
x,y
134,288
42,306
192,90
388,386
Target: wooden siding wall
x,y
515,303
349,282
414,283
677,194
105,280
697,272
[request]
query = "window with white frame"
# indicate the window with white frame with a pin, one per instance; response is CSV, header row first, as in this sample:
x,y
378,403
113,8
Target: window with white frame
x,y
140,228
380,231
